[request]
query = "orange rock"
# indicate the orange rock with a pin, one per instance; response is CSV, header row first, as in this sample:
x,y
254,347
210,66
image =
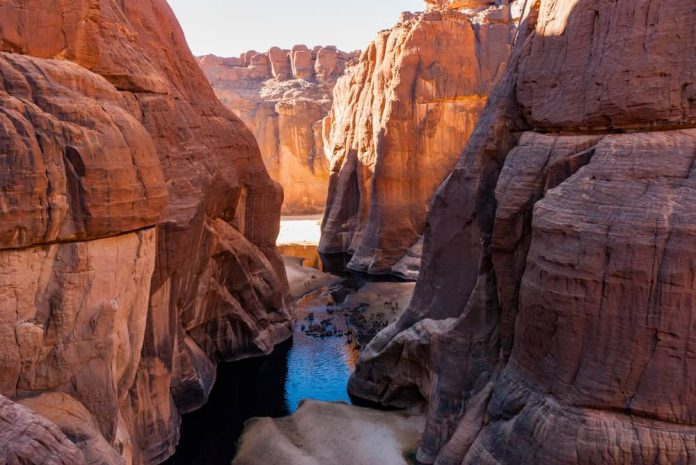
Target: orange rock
x,y
138,224
285,115
399,123
62,184
302,62
75,421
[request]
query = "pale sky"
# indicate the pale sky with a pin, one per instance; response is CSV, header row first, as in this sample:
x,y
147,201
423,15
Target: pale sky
x,y
230,27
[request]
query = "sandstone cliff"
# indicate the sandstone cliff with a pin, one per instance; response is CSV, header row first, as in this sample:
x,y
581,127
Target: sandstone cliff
x,y
552,320
283,96
399,123
137,230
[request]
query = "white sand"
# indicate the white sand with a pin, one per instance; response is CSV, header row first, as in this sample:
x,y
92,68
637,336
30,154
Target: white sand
x,y
322,433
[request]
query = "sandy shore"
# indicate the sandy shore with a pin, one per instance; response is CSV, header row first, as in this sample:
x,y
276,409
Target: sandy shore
x,y
305,279
386,298
322,433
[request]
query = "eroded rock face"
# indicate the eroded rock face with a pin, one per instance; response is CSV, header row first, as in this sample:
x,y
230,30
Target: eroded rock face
x,y
551,323
26,437
399,123
283,95
137,229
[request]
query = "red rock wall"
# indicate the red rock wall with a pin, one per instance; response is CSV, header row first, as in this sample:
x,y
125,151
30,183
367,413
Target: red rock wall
x,y
551,323
283,95
138,226
399,123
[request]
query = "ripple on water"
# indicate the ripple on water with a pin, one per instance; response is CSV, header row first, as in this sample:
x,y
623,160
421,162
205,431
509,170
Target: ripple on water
x,y
318,368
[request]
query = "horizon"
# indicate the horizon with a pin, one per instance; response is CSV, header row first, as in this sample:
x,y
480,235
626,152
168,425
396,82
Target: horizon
x,y
229,28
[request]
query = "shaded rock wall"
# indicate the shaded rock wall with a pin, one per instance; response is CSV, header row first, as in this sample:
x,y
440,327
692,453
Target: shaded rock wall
x,y
26,437
399,123
283,95
552,320
137,230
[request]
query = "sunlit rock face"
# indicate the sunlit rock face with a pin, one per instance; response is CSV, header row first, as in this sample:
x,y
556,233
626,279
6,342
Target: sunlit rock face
x,y
137,233
460,4
552,320
282,96
399,123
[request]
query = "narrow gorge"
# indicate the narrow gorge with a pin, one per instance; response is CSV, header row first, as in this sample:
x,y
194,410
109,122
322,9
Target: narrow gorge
x,y
469,242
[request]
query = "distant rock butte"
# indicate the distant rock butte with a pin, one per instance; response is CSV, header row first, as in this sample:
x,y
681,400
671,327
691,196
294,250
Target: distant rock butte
x,y
137,234
283,96
462,4
553,320
400,121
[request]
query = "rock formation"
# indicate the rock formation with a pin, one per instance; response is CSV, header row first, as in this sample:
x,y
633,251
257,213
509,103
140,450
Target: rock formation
x,y
330,434
399,123
283,96
137,230
552,320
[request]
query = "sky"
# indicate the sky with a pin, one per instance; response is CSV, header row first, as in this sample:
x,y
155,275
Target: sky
x,y
230,27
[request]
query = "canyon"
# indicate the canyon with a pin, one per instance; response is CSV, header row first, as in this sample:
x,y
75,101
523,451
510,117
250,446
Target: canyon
x,y
526,165
283,96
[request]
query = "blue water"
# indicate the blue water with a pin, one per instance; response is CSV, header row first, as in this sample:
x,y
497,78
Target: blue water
x,y
318,368
304,368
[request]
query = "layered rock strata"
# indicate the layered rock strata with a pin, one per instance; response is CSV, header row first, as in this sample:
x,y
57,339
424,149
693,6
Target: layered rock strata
x,y
552,320
283,96
399,123
137,230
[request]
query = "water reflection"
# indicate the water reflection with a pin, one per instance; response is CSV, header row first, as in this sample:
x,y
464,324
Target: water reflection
x,y
318,367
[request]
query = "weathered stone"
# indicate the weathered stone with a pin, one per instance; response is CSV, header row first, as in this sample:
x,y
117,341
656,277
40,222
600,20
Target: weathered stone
x,y
302,62
58,182
75,421
399,123
285,114
30,439
127,189
552,317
